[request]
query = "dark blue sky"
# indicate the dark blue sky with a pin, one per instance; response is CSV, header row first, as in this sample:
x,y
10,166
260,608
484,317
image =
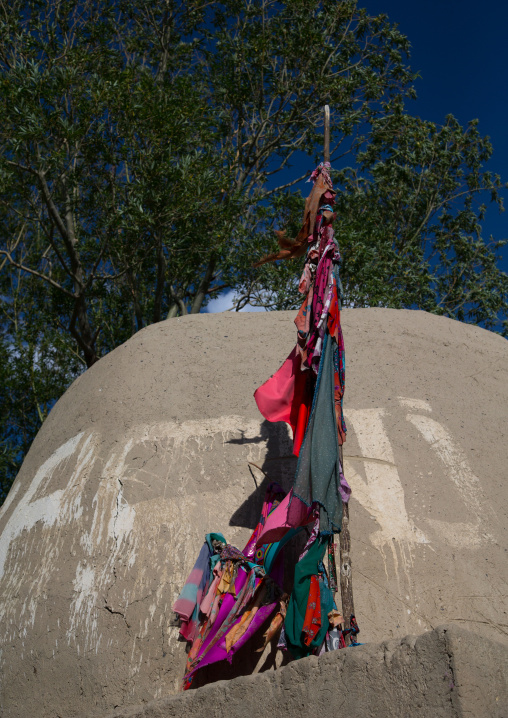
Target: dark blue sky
x,y
460,51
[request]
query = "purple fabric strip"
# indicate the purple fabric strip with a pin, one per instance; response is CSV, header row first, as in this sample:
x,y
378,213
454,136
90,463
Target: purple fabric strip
x,y
344,488
225,609
219,653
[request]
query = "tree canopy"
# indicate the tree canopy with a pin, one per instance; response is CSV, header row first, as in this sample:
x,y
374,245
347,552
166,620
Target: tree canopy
x,y
148,152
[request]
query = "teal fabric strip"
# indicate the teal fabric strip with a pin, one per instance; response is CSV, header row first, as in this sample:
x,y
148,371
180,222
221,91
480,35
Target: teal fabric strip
x,y
308,566
317,478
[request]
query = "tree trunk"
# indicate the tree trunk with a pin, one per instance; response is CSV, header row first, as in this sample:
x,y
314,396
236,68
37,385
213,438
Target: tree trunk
x,y
204,286
84,337
173,311
160,281
138,313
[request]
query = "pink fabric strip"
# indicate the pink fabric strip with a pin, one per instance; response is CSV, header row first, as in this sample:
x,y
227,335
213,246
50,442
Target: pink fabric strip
x,y
206,603
185,608
289,514
274,397
188,630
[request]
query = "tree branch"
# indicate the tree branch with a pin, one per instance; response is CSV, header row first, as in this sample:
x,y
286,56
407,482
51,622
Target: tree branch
x,y
36,274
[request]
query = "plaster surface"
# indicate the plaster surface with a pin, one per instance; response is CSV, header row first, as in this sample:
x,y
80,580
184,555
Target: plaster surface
x,y
161,442
446,673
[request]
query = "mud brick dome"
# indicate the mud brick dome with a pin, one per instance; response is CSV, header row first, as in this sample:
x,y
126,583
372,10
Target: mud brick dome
x,y
161,442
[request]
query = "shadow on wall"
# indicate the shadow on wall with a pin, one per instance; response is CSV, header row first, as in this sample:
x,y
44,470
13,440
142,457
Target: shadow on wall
x,y
278,466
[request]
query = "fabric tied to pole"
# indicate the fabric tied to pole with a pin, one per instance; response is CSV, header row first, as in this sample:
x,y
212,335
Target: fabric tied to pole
x,y
312,621
287,396
196,586
319,477
302,643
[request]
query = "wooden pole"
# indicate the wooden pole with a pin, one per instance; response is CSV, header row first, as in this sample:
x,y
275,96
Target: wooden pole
x,y
346,578
327,134
346,582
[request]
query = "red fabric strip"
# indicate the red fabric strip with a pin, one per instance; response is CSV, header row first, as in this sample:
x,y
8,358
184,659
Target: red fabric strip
x,y
312,622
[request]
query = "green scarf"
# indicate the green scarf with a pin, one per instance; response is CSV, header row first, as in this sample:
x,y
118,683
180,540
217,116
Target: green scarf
x,y
318,472
308,566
